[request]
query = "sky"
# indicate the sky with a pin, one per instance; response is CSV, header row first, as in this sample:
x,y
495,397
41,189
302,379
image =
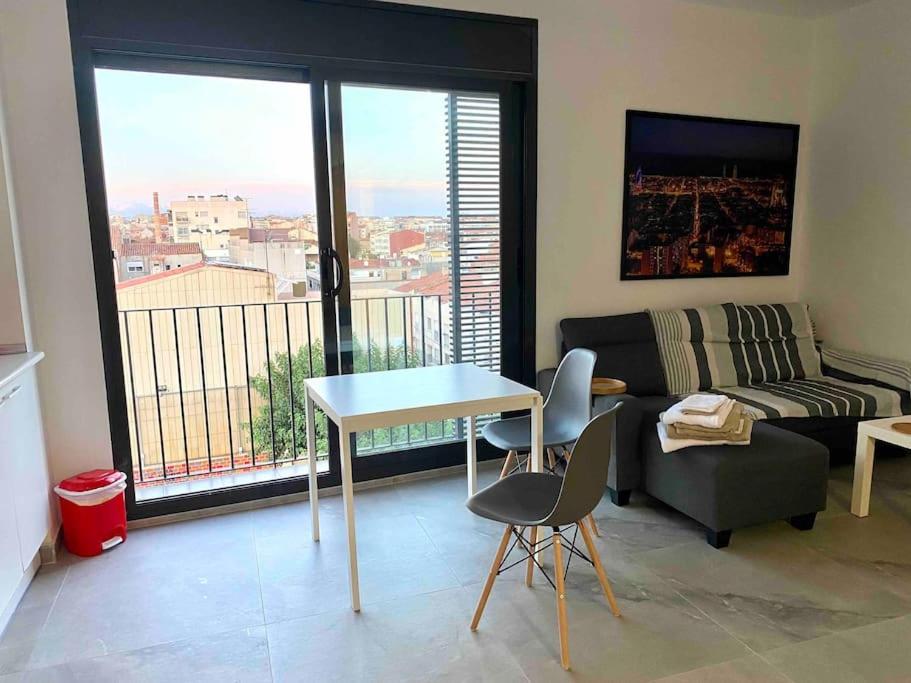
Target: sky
x,y
181,135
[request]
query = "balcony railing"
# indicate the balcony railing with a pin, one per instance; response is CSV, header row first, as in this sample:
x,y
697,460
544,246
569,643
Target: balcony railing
x,y
216,390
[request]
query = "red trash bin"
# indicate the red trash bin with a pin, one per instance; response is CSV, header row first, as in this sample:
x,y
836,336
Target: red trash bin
x,y
93,511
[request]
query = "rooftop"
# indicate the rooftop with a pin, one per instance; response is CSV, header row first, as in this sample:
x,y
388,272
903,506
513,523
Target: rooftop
x,y
159,249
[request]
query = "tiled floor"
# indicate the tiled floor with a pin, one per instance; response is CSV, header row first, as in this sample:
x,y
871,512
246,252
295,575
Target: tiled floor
x,y
248,597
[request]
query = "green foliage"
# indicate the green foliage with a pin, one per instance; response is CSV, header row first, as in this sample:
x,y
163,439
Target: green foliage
x,y
280,414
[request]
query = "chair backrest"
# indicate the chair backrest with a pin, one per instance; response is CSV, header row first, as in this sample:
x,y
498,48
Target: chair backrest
x,y
586,473
570,398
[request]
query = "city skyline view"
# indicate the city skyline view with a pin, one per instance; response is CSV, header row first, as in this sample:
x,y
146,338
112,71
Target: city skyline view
x,y
185,135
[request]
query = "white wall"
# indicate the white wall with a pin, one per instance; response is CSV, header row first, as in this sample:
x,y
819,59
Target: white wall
x,y
860,193
597,58
13,327
45,165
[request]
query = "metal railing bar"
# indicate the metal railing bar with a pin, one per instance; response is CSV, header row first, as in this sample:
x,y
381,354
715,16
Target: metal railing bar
x,y
269,374
164,467
290,385
126,329
205,393
243,323
423,337
183,417
224,364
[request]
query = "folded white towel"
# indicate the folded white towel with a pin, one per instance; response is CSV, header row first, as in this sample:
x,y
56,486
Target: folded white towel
x,y
669,445
702,403
715,420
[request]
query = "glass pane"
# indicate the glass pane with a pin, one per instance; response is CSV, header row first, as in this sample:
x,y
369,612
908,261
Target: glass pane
x,y
211,197
422,187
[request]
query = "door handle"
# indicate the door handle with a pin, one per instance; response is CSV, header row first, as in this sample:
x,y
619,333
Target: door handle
x,y
10,395
339,273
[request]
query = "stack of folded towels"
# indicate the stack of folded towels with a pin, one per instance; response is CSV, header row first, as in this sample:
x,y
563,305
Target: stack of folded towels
x,y
704,420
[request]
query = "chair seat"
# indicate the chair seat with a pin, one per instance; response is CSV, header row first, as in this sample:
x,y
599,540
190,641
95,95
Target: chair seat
x,y
521,499
514,434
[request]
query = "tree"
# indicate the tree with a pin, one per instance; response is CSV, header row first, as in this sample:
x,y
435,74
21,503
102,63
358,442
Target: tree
x,y
274,417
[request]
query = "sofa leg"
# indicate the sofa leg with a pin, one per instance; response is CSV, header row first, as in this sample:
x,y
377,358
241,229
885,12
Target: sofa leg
x,y
718,539
803,522
619,498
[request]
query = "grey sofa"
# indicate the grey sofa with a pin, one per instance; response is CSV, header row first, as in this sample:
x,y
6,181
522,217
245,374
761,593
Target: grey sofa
x,y
781,475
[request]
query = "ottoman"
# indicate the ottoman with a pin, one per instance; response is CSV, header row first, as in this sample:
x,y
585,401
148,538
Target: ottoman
x,y
780,475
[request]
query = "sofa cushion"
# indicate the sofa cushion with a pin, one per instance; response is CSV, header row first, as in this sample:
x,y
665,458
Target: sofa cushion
x,y
732,345
626,349
816,397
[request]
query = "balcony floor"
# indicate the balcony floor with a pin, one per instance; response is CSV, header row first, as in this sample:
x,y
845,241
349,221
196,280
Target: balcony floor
x,y
223,480
248,597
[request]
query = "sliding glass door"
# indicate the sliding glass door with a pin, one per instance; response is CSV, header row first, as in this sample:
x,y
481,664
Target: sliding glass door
x,y
416,177
416,225
269,224
215,247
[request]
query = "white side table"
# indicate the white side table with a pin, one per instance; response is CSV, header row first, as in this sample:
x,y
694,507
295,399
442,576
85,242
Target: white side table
x,y
868,433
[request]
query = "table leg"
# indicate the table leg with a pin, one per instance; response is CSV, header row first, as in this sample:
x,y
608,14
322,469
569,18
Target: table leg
x,y
536,457
537,436
311,459
472,444
345,440
863,475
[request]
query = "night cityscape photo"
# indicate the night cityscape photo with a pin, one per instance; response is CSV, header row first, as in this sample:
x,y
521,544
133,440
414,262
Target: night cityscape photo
x,y
706,197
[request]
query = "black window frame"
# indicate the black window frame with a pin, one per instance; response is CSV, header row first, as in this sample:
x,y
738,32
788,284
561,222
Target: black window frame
x,y
127,34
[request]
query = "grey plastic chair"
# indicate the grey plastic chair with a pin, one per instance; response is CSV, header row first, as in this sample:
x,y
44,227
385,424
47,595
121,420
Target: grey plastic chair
x,y
567,410
532,500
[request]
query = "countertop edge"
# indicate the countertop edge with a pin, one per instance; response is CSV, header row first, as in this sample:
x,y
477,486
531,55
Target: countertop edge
x,y
13,365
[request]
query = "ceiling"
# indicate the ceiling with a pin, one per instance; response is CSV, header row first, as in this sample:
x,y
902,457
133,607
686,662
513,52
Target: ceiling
x,y
797,8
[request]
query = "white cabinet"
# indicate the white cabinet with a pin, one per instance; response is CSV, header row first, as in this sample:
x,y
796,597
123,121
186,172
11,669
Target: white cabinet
x,y
25,503
19,408
10,561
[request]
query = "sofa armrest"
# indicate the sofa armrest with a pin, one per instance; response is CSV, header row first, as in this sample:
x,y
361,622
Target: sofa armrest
x,y
546,380
858,366
625,467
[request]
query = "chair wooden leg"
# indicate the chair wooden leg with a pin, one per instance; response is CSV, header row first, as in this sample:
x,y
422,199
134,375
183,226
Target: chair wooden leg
x,y
594,524
552,459
599,569
491,576
562,627
508,464
530,569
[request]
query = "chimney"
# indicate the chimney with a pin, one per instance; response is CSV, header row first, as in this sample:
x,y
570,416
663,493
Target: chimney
x,y
156,217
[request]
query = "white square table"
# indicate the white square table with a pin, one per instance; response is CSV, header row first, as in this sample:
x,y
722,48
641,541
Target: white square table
x,y
391,398
868,433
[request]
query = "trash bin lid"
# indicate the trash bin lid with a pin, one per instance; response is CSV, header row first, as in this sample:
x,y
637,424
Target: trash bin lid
x,y
91,480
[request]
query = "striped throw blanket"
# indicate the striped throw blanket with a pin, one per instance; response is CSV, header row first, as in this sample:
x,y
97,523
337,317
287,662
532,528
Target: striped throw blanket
x,y
730,345
895,373
765,357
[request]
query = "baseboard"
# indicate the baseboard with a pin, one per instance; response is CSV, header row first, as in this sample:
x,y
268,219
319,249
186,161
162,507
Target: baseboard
x,y
7,614
50,549
304,496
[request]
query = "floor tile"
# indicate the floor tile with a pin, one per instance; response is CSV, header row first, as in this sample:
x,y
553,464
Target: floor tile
x,y
752,669
868,546
659,632
248,596
395,558
162,585
239,656
769,589
874,653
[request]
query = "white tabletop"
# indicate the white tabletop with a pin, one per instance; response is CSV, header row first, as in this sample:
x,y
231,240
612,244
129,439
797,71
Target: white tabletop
x,y
882,429
397,391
